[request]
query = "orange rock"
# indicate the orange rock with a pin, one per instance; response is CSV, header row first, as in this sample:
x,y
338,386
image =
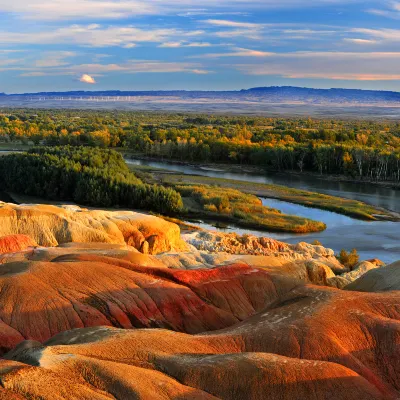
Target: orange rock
x,y
311,343
14,243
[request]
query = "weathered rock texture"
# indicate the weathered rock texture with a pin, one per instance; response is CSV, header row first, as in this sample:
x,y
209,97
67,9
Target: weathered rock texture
x,y
242,324
214,242
360,269
50,225
44,292
378,280
14,243
310,343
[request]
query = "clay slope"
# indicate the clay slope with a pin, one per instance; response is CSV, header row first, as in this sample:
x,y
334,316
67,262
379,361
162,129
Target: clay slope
x,y
47,291
50,225
311,343
15,243
378,280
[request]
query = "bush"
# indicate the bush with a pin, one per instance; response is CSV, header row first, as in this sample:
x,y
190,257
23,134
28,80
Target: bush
x,y
349,260
316,243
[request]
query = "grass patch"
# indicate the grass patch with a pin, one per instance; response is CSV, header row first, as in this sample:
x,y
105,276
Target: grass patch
x,y
349,207
246,210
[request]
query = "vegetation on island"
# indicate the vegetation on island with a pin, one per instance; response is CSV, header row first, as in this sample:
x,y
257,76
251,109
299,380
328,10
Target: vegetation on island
x,y
363,150
245,210
85,175
353,208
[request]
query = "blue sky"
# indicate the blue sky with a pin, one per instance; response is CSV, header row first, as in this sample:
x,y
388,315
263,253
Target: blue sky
x,y
184,44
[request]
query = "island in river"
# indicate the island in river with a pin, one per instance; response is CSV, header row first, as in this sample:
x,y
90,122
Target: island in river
x,y
371,238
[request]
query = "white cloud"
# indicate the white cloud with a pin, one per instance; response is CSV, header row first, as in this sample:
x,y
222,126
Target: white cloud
x,y
392,10
390,35
239,33
360,41
88,71
54,59
85,78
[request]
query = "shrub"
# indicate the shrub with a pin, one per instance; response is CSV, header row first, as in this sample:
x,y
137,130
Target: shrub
x,y
349,260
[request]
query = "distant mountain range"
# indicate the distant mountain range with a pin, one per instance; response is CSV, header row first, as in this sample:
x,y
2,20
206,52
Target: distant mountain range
x,y
274,94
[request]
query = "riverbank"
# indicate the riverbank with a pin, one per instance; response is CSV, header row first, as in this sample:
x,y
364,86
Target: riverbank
x,y
229,205
251,169
349,207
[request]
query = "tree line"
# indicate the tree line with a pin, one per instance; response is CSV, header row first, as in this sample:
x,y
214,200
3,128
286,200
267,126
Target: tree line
x,y
88,176
363,149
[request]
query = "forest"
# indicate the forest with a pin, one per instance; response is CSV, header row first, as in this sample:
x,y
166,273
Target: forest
x,y
364,150
89,176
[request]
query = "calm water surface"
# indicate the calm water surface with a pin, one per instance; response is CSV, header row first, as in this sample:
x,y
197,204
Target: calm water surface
x,y
372,239
372,194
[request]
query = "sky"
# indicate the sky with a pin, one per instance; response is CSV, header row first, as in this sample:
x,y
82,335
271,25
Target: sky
x,y
54,45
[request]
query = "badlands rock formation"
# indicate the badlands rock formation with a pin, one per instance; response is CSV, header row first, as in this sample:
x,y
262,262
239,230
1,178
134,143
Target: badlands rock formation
x,y
226,317
310,343
378,280
47,291
247,244
13,243
50,225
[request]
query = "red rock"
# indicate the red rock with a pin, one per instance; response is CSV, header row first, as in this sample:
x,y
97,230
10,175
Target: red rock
x,y
233,332
312,343
41,298
14,243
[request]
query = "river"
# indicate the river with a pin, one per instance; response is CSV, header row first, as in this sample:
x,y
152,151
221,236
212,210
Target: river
x,y
372,239
372,194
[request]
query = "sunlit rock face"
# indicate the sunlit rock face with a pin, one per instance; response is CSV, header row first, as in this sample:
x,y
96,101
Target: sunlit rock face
x,y
311,342
49,290
50,226
14,243
382,279
215,242
206,316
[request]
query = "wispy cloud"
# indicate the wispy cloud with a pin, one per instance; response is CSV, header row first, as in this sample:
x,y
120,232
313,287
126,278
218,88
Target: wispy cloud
x,y
184,44
232,24
329,65
392,10
391,35
237,52
87,71
360,41
121,9
95,36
